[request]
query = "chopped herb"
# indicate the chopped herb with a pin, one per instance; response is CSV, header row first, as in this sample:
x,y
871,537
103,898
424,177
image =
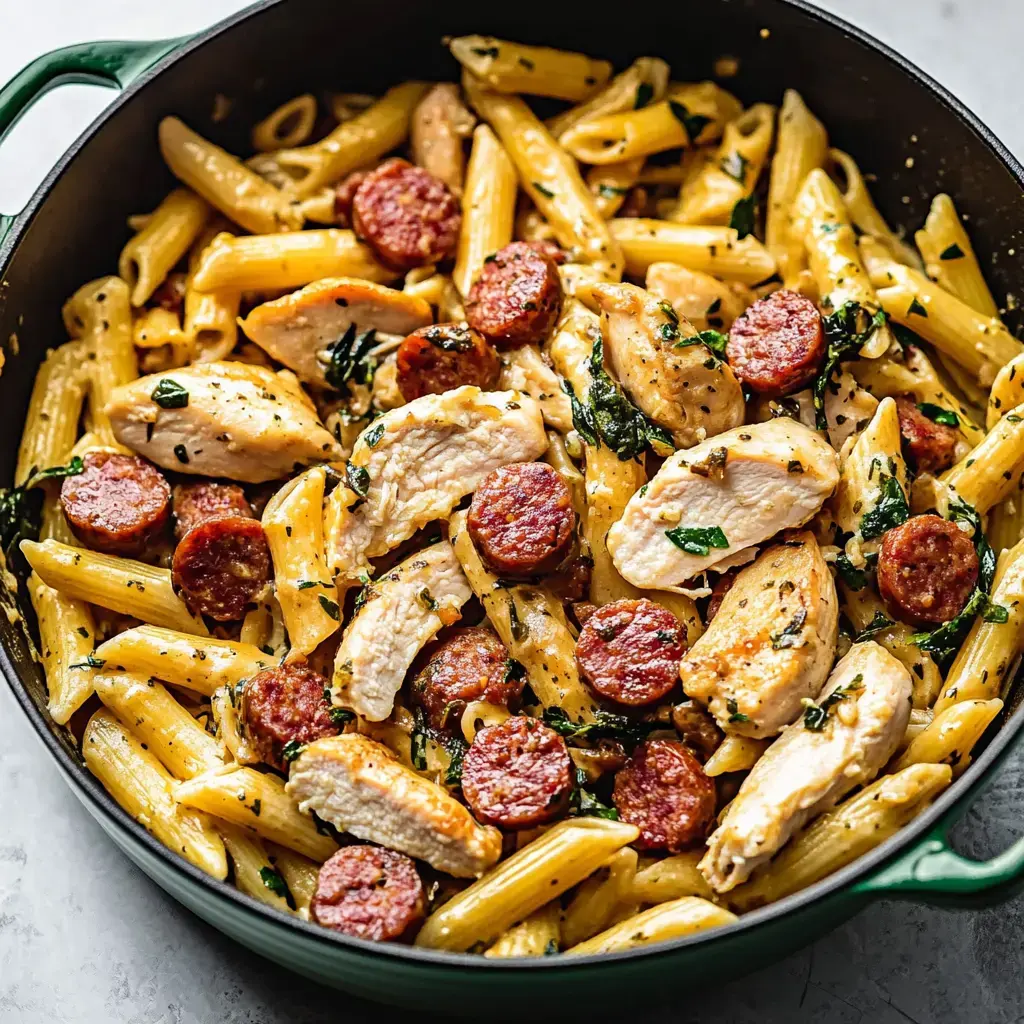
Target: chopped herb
x,y
450,337
790,635
582,416
276,884
742,216
644,94
486,51
456,748
713,308
917,309
306,584
519,631
341,716
586,805
735,715
514,670
90,662
527,63
348,359
330,607
697,540
666,636
267,649
816,715
358,479
82,631
291,750
643,490
953,252
605,726
73,468
693,124
962,511
418,742
427,598
735,165
169,394
257,806
878,622
551,948
373,435
891,510
181,453
937,414
611,191
543,191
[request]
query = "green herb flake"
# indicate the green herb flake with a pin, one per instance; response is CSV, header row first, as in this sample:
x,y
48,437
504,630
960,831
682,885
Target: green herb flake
x,y
181,453
275,883
791,633
854,578
698,540
611,191
169,394
358,479
418,742
693,124
543,190
816,715
427,598
330,607
90,662
916,309
291,750
937,414
952,252
606,725
373,435
341,716
735,715
306,584
879,622
348,359
742,216
891,510
846,330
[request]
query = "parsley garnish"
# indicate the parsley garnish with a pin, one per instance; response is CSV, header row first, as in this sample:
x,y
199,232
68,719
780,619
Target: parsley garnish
x,y
790,635
19,509
854,578
610,191
697,540
735,715
953,252
291,750
427,598
348,359
891,510
341,716
373,435
456,748
450,337
276,884
543,191
644,92
169,394
90,662
917,309
418,742
879,621
586,805
358,479
742,216
330,607
693,124
816,715
605,726
937,414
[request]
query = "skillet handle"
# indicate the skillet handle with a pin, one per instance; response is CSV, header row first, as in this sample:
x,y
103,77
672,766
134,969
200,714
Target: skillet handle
x,y
113,64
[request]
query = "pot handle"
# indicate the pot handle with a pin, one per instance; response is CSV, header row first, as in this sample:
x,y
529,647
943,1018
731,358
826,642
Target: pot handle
x,y
113,64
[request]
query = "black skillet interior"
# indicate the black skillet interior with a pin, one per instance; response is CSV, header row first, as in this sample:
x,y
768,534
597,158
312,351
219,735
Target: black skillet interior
x,y
871,105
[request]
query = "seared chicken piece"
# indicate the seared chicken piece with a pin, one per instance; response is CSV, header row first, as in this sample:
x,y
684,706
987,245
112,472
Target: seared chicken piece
x,y
298,329
671,376
842,742
770,644
225,419
848,409
708,502
419,461
524,369
402,611
700,298
358,786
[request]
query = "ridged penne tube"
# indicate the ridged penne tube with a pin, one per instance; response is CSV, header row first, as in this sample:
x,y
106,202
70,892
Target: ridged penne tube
x,y
300,873
289,125
54,410
714,250
144,788
120,584
287,260
598,897
802,145
980,344
862,607
356,142
153,252
531,624
862,210
949,257
166,729
211,318
558,458
991,471
624,92
672,877
154,328
67,636
537,935
257,802
952,735
224,182
1006,394
252,867
733,174
488,207
820,217
992,649
294,524
611,183
538,873
551,178
1006,523
198,663
735,754
100,314
667,921
535,70
838,838
654,128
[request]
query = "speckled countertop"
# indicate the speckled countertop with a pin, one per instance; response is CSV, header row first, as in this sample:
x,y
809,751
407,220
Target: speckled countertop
x,y
85,937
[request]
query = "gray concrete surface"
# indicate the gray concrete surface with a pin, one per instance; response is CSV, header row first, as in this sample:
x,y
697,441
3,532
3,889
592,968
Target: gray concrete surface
x,y
85,937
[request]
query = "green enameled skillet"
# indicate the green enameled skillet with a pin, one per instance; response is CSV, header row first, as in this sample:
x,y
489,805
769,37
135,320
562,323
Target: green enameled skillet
x,y
876,106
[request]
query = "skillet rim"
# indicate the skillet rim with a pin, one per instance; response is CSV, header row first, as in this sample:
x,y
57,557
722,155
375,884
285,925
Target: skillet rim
x,y
89,788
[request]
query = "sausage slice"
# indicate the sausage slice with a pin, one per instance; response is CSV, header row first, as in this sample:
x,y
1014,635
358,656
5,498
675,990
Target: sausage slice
x,y
199,500
443,357
930,445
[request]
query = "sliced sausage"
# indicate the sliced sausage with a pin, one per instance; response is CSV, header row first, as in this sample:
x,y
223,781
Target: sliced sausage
x,y
471,664
777,345
442,357
285,705
199,500
930,445
117,504
546,247
408,216
517,774
629,651
722,587
927,569
221,565
171,293
371,893
344,194
664,792
517,297
521,519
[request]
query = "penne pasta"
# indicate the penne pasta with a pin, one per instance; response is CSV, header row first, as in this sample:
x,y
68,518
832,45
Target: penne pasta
x,y
951,736
672,877
537,935
599,897
992,470
287,126
253,871
735,754
211,317
1006,394
299,873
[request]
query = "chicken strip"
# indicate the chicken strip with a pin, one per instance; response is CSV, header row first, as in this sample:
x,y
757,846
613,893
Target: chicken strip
x,y
771,643
416,463
524,369
222,419
708,502
841,742
305,329
358,786
669,373
400,612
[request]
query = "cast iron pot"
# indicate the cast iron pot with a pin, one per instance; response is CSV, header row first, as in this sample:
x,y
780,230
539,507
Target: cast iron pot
x,y
876,106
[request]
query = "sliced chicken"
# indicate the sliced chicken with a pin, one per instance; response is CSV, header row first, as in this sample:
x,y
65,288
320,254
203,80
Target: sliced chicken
x,y
403,610
357,785
524,369
700,298
842,742
848,409
771,643
727,494
672,377
421,460
299,329
224,419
